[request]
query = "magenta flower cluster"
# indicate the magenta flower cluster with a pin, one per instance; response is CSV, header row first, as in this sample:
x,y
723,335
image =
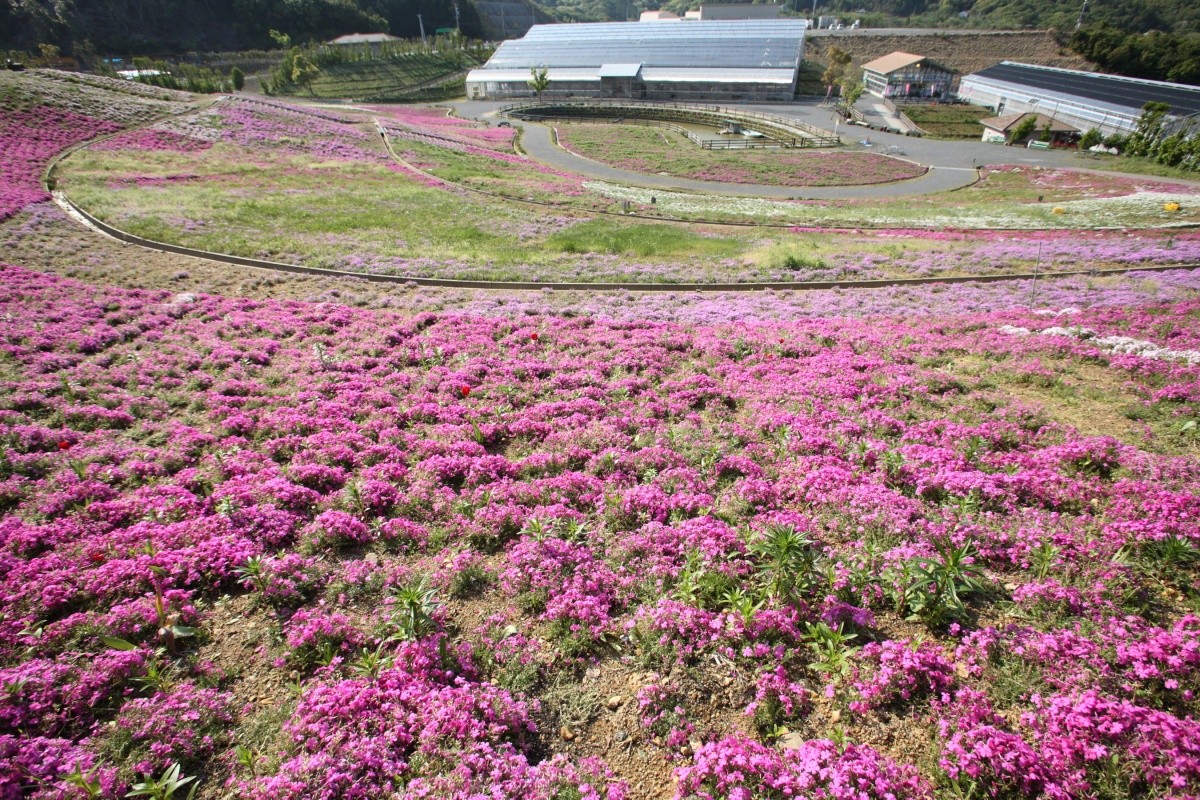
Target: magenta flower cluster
x,y
604,495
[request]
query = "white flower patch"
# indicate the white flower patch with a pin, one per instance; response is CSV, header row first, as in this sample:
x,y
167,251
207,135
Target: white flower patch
x,y
1103,211
1117,345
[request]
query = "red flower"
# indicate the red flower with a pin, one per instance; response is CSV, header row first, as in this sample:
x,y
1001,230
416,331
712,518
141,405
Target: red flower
x,y
533,337
64,445
97,557
465,390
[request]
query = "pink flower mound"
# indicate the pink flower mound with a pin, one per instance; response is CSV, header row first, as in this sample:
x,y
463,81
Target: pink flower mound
x,y
28,140
186,725
432,730
309,630
742,769
436,119
902,673
154,140
1079,734
982,751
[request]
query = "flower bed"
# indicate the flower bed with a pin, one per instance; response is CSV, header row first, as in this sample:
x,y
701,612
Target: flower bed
x,y
488,550
659,150
28,140
436,120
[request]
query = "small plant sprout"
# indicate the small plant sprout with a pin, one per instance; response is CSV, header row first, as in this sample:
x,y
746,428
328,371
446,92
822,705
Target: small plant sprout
x,y
372,662
254,573
831,650
165,787
412,612
169,628
86,782
786,563
1043,557
247,759
937,586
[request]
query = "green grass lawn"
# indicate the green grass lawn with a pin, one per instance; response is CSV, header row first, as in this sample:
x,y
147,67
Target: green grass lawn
x,y
300,197
948,121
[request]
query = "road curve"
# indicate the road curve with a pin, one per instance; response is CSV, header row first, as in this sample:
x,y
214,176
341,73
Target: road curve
x,y
537,141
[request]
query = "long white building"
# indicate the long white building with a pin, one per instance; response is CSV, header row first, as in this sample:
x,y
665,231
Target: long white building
x,y
745,59
1085,100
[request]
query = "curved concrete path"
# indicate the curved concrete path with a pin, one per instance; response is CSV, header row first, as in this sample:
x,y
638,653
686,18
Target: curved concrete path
x,y
537,140
952,164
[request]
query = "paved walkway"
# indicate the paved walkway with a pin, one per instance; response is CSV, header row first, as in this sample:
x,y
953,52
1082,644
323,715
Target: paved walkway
x,y
951,164
538,142
878,114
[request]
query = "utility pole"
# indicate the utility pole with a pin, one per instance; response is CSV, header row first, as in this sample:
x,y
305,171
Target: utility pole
x,y
421,22
1082,11
457,27
814,15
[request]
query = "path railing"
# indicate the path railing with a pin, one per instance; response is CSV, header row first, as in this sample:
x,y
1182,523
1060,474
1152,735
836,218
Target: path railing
x,y
766,142
787,128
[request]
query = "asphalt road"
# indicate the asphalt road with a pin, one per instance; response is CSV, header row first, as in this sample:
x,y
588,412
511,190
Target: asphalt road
x,y
951,164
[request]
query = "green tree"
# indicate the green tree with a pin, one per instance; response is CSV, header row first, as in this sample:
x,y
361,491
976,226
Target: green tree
x,y
1149,129
304,71
1090,139
539,80
1024,130
834,73
237,78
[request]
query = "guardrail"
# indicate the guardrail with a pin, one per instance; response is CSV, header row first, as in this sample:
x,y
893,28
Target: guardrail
x,y
764,143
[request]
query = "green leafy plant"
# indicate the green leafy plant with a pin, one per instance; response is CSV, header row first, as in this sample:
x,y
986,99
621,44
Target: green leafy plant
x,y
936,586
372,662
413,609
165,787
170,630
86,782
786,563
831,650
254,572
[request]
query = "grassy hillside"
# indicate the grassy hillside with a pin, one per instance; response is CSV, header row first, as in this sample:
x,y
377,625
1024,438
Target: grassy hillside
x,y
948,122
408,76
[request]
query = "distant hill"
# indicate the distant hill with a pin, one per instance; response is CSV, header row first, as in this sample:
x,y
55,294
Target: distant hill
x,y
1130,16
1144,38
173,26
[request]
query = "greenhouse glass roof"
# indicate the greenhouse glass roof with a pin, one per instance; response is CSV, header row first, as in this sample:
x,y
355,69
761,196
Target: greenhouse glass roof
x,y
723,44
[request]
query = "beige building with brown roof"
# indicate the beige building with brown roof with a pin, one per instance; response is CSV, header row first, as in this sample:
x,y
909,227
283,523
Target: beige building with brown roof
x,y
902,75
999,129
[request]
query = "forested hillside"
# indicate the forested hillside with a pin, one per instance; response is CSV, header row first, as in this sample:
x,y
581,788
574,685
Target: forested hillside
x,y
164,26
1157,39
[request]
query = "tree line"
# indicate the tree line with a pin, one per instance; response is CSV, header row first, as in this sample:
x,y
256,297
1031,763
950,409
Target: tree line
x,y
160,27
1157,56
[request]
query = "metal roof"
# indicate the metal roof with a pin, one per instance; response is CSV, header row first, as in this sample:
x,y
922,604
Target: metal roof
x,y
782,77
731,44
892,62
1012,121
620,70
516,75
685,75
364,38
1110,90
